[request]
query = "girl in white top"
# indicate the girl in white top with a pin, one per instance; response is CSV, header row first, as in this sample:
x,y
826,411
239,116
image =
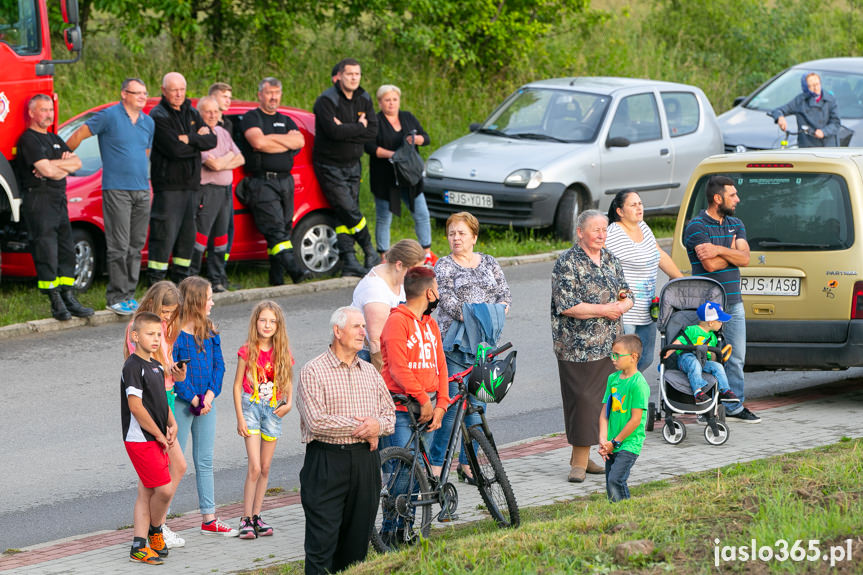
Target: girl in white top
x,y
632,242
383,289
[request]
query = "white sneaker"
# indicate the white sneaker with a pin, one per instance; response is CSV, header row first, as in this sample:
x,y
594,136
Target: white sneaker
x,y
172,540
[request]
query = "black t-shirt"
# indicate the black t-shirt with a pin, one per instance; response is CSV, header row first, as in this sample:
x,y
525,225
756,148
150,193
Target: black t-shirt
x,y
34,146
146,379
277,123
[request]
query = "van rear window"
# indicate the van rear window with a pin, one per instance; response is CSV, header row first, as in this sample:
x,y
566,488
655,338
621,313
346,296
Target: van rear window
x,y
788,211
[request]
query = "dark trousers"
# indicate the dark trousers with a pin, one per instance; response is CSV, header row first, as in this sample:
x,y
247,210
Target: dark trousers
x,y
341,188
50,234
271,201
272,206
340,489
211,223
172,232
617,468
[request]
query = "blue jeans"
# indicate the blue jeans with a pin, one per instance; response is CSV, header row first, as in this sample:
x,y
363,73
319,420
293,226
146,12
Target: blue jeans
x,y
735,334
402,433
203,430
384,217
617,468
399,484
647,334
441,438
688,363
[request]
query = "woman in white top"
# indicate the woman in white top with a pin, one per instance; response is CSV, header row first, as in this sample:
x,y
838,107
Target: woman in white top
x,y
632,242
383,289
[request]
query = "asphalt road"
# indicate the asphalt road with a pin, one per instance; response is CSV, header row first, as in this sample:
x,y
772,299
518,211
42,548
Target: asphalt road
x,y
64,470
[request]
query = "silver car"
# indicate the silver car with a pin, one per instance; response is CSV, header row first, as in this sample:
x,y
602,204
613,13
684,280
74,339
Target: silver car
x,y
557,147
748,127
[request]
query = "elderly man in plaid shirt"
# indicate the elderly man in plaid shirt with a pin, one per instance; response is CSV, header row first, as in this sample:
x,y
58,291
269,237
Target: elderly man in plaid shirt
x,y
344,408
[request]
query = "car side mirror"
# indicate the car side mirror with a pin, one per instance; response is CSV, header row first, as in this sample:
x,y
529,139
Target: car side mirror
x,y
738,100
474,127
618,142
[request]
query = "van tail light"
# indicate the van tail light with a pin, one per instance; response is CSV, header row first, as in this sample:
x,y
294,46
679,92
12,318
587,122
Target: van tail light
x,y
857,301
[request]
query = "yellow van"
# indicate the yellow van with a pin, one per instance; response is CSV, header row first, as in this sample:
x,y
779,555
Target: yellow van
x,y
803,288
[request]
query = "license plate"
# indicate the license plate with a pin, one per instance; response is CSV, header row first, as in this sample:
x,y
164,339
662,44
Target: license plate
x,y
465,199
757,285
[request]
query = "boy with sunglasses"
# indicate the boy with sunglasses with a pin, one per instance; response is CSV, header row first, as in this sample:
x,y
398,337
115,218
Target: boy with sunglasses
x,y
621,421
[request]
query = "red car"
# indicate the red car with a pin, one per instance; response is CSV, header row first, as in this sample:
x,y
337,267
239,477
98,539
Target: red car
x,y
314,235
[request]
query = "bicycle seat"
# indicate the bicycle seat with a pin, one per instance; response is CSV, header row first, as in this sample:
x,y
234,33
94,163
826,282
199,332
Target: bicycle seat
x,y
403,400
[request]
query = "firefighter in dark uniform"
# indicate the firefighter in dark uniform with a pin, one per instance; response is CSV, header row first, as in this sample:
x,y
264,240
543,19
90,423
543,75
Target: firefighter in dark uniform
x,y
45,161
272,141
175,174
344,121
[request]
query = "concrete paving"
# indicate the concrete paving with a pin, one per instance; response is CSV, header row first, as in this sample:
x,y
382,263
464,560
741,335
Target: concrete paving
x,y
537,469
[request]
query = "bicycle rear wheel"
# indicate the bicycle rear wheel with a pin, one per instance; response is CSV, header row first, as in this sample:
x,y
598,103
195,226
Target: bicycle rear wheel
x,y
491,479
398,520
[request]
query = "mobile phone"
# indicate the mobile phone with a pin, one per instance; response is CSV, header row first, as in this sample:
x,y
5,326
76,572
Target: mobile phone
x,y
182,362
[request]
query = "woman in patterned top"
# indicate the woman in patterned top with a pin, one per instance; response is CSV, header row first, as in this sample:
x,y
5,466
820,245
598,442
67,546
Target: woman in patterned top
x,y
589,295
464,276
633,243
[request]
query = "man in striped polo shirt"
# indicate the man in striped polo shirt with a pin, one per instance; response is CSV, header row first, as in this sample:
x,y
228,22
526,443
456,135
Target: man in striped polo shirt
x,y
717,248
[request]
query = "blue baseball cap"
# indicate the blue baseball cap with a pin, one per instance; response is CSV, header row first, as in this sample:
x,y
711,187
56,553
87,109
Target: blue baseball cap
x,y
710,311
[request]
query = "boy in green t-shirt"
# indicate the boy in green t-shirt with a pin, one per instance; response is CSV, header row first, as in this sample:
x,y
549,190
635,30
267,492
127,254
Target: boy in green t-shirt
x,y
710,316
621,425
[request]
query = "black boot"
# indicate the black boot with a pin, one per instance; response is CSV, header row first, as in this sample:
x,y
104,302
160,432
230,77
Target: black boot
x,y
58,308
277,272
297,272
364,238
154,276
350,265
178,274
73,306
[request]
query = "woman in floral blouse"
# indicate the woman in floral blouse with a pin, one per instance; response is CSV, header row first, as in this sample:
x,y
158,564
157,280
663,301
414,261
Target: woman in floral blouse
x,y
464,276
589,294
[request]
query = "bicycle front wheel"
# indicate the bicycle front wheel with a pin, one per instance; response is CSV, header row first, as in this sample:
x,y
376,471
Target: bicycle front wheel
x,y
399,521
491,479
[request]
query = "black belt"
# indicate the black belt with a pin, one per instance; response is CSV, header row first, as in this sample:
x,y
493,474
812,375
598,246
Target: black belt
x,y
338,447
273,175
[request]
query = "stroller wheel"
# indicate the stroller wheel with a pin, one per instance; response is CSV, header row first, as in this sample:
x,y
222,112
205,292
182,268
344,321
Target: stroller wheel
x,y
673,432
719,439
651,416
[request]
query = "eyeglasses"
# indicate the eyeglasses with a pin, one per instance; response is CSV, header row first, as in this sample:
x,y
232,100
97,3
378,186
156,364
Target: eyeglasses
x,y
616,356
137,93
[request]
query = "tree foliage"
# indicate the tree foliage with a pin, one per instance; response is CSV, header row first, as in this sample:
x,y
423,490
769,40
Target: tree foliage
x,y
491,34
209,25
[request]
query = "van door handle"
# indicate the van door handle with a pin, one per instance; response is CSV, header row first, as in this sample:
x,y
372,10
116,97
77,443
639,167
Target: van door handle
x,y
663,152
762,309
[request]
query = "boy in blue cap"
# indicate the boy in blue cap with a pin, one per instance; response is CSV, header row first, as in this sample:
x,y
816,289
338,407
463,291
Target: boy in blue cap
x,y
711,316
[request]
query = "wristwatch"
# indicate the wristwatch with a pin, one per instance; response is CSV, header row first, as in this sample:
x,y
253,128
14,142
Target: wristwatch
x,y
615,443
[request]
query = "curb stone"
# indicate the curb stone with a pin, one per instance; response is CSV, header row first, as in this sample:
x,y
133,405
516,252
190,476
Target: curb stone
x,y
104,317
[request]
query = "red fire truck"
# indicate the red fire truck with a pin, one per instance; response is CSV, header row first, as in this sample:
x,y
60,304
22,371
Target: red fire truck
x,y
26,68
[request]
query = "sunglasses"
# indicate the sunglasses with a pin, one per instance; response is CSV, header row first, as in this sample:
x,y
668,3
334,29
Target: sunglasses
x,y
616,356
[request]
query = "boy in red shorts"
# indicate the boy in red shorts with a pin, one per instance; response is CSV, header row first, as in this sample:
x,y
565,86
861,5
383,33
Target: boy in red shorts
x,y
148,430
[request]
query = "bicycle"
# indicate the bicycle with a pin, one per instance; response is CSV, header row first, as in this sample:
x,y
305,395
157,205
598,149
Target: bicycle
x,y
409,488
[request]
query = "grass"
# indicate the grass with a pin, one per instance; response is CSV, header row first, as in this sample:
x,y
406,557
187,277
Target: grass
x,y
810,495
20,301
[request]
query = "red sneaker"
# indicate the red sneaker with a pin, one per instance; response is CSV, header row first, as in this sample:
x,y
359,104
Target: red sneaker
x,y
217,527
430,259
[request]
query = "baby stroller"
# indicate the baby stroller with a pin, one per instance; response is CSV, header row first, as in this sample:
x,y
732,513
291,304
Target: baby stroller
x,y
678,305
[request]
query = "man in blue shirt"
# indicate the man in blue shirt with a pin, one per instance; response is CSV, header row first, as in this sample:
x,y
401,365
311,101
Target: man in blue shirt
x,y
125,139
717,248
